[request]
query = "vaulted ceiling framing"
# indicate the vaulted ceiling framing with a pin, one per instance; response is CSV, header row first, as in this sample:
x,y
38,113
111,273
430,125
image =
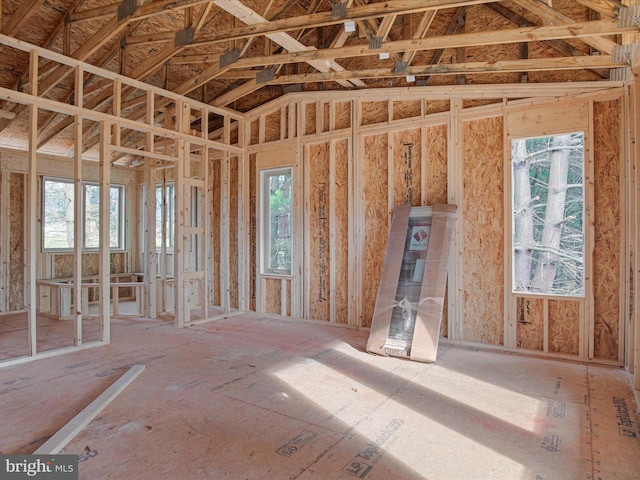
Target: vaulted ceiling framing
x,y
242,53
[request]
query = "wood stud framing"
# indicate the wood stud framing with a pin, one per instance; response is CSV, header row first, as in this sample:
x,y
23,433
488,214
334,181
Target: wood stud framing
x,y
633,352
176,147
32,205
78,175
186,151
455,118
587,327
4,240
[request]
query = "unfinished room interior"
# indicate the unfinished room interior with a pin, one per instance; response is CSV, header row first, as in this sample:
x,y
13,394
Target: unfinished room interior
x,y
317,239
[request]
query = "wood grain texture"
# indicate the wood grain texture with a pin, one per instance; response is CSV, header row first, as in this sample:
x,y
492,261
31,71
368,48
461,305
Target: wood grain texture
x,y
483,231
608,234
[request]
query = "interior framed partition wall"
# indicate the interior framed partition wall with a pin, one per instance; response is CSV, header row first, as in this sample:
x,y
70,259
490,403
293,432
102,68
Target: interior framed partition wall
x,y
116,121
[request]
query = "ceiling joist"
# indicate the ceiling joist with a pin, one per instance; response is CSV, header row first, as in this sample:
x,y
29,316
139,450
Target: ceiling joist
x,y
181,45
283,39
578,30
357,13
500,66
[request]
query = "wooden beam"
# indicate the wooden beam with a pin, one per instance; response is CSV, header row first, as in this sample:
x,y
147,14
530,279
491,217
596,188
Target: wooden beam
x,y
91,411
152,64
150,253
22,14
578,30
5,238
561,46
78,207
149,38
358,13
214,71
252,85
503,66
104,249
145,11
283,39
24,78
232,95
456,23
42,134
565,48
49,130
31,249
608,8
99,39
552,16
112,28
141,72
420,32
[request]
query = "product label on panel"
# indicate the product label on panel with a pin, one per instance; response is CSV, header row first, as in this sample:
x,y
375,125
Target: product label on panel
x,y
419,238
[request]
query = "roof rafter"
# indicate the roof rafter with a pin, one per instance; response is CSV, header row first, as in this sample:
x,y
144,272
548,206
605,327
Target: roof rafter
x,y
141,72
252,84
421,32
283,39
391,8
150,9
610,8
24,11
500,66
580,30
456,23
549,14
561,46
186,87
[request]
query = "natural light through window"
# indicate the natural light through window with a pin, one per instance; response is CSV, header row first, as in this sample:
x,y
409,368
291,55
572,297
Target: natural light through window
x,y
548,213
58,215
277,237
369,406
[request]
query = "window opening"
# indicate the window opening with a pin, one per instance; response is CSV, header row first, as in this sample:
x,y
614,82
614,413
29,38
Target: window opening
x,y
548,215
277,232
58,215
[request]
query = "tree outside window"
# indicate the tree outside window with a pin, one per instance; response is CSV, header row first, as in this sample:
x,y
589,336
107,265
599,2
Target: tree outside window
x,y
548,214
277,233
58,215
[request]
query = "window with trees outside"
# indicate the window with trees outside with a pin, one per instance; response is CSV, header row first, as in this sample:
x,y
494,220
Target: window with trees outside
x,y
277,235
548,215
58,215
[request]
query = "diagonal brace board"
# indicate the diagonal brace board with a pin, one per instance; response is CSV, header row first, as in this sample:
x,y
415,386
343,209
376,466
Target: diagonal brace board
x,y
248,16
58,441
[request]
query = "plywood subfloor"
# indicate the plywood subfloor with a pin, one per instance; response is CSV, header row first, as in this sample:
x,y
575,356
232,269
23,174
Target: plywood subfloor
x,y
257,397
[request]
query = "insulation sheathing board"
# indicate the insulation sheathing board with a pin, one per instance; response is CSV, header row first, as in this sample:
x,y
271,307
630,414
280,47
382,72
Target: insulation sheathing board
x,y
405,324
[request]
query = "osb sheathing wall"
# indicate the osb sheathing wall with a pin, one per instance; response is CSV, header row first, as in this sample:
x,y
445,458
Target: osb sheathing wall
x,y
483,228
396,151
609,222
17,236
63,264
